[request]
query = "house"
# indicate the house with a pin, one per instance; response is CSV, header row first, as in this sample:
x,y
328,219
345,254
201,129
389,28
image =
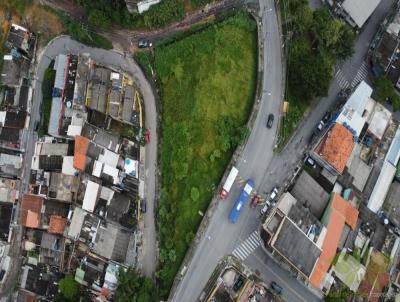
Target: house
x,y
21,39
136,6
31,210
334,149
338,213
14,70
357,12
386,175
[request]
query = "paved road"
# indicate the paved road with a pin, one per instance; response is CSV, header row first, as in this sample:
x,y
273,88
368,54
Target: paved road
x,y
268,170
117,61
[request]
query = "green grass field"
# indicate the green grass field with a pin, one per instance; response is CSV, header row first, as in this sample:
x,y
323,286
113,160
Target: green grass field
x,y
207,84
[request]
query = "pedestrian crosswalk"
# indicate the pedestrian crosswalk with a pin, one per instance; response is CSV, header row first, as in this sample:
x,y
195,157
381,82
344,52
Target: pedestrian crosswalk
x,y
247,246
341,79
361,75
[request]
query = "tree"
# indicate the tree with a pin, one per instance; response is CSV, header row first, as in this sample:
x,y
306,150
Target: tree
x,y
384,91
97,18
69,290
345,45
132,287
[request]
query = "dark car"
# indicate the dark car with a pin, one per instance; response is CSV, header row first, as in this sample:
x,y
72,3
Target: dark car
x,y
276,288
326,117
143,206
255,201
144,44
270,120
238,284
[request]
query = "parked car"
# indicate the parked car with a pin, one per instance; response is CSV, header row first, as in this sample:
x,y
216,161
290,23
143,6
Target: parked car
x,y
143,206
270,120
255,201
326,116
265,208
273,194
311,162
276,288
238,284
320,125
144,44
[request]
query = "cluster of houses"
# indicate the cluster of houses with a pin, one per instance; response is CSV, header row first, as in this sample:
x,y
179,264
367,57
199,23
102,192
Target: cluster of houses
x,y
15,104
337,226
85,198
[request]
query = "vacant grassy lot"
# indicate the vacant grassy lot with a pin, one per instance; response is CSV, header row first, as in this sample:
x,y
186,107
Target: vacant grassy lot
x,y
207,81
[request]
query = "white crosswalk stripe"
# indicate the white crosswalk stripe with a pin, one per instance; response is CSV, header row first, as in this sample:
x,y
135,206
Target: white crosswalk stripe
x,y
361,75
247,246
341,79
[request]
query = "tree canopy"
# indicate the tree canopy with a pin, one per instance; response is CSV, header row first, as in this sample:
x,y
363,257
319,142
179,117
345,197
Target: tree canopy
x,y
384,91
132,287
69,290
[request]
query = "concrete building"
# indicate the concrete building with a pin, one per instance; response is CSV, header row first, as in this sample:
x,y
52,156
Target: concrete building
x,y
357,12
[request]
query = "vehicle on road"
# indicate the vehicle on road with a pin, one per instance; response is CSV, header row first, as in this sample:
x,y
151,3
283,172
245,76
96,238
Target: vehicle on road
x,y
265,208
144,44
143,206
276,288
255,201
229,182
270,120
147,136
326,117
320,126
241,201
273,194
238,284
311,162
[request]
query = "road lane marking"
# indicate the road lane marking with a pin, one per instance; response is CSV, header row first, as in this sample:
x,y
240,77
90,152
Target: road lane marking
x,y
247,246
280,279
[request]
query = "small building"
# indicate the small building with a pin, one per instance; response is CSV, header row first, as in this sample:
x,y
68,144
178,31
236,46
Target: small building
x,y
31,210
357,12
137,6
309,192
386,175
14,70
349,270
91,196
21,39
334,149
338,213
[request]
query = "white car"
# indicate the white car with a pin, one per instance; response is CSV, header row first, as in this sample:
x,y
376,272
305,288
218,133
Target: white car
x,y
273,194
264,208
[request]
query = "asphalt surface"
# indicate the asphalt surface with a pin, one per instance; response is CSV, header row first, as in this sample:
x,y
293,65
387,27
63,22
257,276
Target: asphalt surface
x,y
267,169
117,61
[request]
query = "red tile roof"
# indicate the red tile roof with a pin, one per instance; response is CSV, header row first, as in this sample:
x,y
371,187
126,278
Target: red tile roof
x,y
31,208
57,224
81,147
341,212
336,148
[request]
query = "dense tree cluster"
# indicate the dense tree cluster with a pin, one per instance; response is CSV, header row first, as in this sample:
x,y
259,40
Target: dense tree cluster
x,y
384,91
132,287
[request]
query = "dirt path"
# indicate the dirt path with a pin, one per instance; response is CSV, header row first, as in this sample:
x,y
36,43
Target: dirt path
x,y
127,39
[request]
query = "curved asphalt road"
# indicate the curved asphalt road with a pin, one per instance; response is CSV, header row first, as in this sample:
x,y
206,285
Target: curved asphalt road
x,y
117,61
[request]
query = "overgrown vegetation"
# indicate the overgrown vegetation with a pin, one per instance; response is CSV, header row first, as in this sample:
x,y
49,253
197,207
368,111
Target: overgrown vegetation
x,y
83,34
47,88
314,43
105,12
70,290
203,121
385,91
134,287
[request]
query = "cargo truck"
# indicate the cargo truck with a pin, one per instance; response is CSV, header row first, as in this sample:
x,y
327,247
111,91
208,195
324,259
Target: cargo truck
x,y
241,201
229,182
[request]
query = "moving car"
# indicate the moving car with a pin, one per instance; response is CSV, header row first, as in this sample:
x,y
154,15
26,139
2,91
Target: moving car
x,y
270,120
276,288
144,44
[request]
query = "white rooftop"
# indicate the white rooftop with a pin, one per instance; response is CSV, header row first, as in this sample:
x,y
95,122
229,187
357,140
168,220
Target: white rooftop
x,y
379,121
68,166
91,194
360,10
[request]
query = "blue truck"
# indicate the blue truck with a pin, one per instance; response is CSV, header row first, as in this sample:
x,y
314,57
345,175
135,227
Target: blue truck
x,y
241,201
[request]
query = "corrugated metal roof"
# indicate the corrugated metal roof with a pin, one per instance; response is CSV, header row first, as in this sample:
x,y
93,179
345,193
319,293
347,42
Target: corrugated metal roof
x,y
393,154
360,10
60,66
55,115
